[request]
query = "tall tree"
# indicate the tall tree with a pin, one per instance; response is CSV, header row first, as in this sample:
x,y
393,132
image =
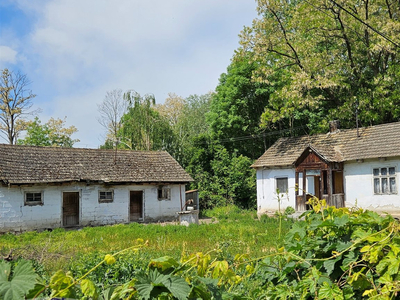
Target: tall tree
x,y
15,103
111,111
327,58
236,108
53,133
143,128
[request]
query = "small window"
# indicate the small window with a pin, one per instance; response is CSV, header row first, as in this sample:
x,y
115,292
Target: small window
x,y
282,185
164,193
33,198
106,196
385,180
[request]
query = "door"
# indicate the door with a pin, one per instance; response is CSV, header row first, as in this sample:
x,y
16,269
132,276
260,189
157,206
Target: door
x,y
70,209
136,206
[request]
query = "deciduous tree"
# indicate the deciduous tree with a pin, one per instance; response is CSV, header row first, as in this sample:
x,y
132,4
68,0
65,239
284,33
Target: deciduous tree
x,y
53,133
111,111
15,103
327,58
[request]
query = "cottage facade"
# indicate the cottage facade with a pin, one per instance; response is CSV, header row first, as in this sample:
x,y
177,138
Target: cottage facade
x,y
356,167
44,187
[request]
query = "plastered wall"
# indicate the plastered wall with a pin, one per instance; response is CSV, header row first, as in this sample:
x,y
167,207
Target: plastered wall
x,y
16,216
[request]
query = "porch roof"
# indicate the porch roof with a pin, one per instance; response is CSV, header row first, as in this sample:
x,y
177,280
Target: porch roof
x,y
343,145
29,164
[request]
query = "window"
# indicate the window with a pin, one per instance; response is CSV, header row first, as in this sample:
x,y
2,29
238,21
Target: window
x,y
33,198
282,185
106,196
385,180
164,193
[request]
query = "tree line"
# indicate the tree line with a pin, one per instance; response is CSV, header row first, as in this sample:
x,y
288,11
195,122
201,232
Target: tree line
x,y
299,65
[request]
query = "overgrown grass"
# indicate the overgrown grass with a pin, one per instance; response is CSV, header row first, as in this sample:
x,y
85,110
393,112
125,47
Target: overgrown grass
x,y
232,231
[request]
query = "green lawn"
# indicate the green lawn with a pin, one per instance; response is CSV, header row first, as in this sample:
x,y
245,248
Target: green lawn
x,y
233,231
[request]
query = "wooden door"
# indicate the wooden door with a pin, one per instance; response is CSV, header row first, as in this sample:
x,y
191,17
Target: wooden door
x,y
136,206
70,209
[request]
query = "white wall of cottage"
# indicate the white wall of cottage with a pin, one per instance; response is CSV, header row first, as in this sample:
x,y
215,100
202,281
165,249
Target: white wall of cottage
x,y
267,199
359,186
16,216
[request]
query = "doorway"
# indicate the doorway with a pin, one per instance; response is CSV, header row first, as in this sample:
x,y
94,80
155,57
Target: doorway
x,y
70,209
136,206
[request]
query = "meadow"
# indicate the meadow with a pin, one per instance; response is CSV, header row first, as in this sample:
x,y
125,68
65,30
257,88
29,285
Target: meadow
x,y
230,230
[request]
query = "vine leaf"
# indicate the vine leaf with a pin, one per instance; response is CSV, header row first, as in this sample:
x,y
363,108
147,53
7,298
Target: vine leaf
x,y
15,287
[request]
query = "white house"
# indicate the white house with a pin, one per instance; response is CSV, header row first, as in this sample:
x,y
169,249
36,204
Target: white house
x,y
354,167
45,187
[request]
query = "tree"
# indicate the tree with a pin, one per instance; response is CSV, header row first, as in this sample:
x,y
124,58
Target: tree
x,y
53,133
143,128
15,103
111,111
326,59
236,108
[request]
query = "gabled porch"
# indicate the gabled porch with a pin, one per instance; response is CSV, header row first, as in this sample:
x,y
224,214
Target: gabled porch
x,y
316,176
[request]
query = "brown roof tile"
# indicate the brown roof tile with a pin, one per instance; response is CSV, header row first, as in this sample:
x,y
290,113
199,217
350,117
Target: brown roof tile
x,y
344,145
29,164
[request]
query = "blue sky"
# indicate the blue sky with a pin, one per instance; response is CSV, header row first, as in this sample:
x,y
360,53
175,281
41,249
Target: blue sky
x,y
74,51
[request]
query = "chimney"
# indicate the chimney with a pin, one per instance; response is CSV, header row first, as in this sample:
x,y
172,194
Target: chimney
x,y
334,126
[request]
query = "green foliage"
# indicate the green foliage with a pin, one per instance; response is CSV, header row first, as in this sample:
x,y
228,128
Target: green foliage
x,y
51,133
143,128
324,62
222,178
336,254
236,108
333,253
16,280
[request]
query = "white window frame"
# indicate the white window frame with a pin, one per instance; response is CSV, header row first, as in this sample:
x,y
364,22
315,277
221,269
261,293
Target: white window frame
x,y
163,193
104,198
385,177
34,194
286,178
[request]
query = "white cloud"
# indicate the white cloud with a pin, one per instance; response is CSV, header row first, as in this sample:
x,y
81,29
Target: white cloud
x,y
7,55
77,50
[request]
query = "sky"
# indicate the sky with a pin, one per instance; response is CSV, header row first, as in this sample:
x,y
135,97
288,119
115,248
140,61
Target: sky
x,y
74,51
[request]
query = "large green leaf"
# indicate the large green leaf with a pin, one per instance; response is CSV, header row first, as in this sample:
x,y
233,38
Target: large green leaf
x,y
155,283
22,281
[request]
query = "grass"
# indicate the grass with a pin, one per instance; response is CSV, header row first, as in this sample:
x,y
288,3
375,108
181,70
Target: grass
x,y
233,231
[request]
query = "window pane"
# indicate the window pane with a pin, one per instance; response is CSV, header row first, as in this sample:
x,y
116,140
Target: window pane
x,y
376,186
376,172
392,183
282,185
33,197
385,185
383,171
391,171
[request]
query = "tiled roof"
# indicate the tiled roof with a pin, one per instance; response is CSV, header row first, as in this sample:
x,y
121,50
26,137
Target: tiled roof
x,y
29,164
344,145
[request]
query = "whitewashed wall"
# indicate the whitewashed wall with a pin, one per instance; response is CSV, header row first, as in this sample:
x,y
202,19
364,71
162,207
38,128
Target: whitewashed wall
x,y
359,186
267,199
15,216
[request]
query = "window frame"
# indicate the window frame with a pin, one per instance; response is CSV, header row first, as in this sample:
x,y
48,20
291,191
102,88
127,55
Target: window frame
x,y
106,200
386,177
33,202
163,193
277,179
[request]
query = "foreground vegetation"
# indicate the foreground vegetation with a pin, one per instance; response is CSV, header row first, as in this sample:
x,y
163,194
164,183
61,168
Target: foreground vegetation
x,y
331,254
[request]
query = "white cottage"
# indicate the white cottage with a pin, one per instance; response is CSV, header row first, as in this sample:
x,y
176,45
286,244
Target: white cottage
x,y
354,167
45,187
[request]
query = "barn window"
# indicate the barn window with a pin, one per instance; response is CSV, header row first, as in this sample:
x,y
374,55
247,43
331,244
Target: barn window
x,y
106,196
385,180
164,193
33,198
282,185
